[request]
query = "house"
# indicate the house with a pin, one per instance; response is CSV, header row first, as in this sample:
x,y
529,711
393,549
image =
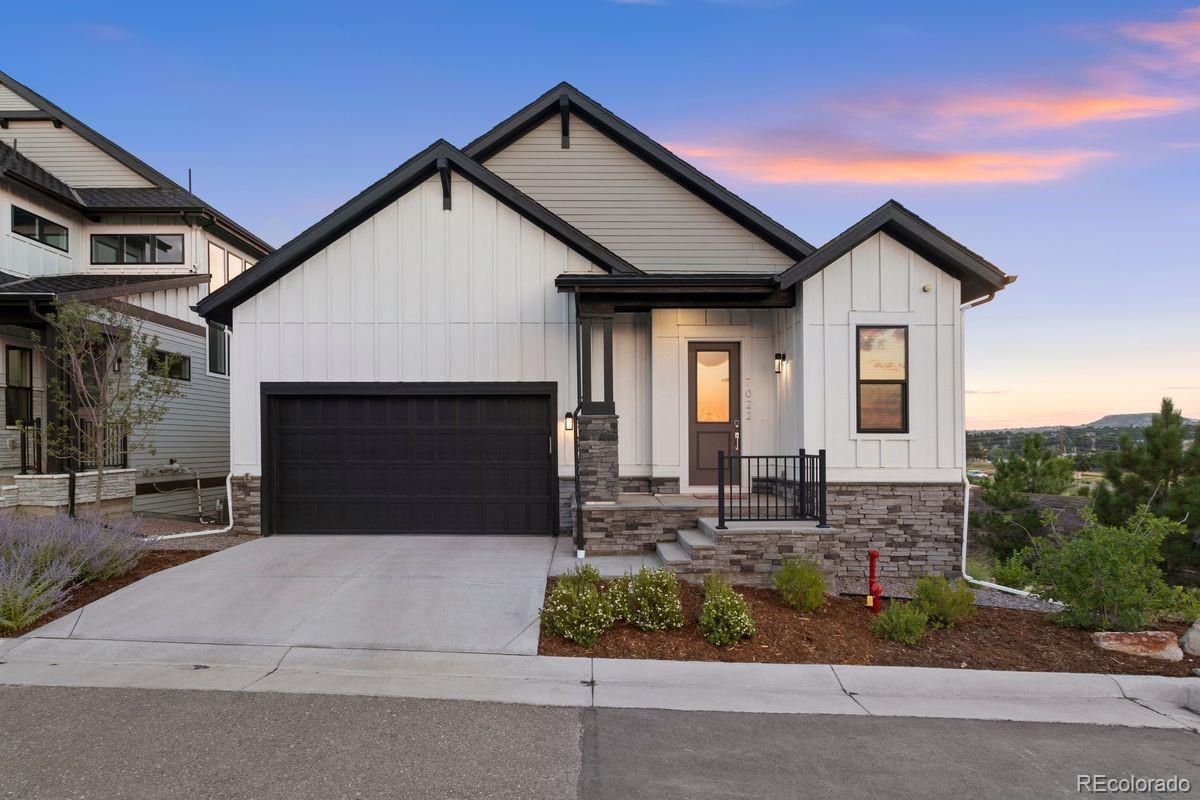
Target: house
x,y
83,218
564,327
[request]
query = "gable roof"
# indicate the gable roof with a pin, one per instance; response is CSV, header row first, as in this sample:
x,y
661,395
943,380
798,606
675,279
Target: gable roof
x,y
95,287
441,154
165,195
644,148
978,276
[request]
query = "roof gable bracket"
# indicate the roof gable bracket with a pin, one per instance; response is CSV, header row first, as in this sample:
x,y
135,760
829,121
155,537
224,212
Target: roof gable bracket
x,y
564,113
443,168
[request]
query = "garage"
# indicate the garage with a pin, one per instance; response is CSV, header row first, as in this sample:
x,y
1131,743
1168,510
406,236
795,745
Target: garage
x,y
409,458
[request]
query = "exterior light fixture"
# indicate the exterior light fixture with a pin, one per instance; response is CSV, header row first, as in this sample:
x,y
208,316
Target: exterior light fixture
x,y
569,421
779,359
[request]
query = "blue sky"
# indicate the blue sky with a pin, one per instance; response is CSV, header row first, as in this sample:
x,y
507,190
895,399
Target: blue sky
x,y
1061,141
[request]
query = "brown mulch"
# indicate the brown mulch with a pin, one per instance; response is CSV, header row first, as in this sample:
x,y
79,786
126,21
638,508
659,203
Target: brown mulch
x,y
837,633
153,561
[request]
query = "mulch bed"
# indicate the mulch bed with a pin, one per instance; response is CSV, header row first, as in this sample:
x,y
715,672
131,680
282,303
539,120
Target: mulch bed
x,y
153,561
837,633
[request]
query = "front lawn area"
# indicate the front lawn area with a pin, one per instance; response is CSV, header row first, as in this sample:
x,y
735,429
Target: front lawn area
x,y
837,633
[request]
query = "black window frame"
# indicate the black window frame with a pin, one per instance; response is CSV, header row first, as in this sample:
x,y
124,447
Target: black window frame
x,y
12,224
9,421
184,364
120,262
226,343
859,381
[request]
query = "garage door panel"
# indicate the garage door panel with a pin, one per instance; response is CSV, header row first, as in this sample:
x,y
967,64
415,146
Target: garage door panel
x,y
418,464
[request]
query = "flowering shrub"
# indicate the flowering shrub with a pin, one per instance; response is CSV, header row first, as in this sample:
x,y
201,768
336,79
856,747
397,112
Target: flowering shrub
x,y
800,584
41,558
725,617
944,604
651,600
577,611
900,622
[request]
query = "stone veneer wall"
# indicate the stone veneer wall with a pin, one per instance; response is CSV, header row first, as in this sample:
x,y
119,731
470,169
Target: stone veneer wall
x,y
640,484
49,493
916,527
636,529
247,504
753,557
596,451
566,505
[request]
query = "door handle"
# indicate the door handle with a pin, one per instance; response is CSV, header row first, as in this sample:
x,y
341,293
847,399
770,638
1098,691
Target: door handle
x,y
737,440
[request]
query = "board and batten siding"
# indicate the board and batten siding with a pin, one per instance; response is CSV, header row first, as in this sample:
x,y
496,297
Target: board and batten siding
x,y
175,302
69,157
413,293
627,205
195,430
882,282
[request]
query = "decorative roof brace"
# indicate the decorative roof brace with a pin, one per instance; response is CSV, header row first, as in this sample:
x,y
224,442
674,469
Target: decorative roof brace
x,y
443,168
564,112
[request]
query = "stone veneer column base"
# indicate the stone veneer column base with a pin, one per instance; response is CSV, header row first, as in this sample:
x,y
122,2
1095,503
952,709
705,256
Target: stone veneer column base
x,y
247,505
916,527
597,467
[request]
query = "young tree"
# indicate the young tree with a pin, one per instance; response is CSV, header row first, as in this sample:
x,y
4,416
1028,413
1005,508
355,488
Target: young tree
x,y
115,386
1035,470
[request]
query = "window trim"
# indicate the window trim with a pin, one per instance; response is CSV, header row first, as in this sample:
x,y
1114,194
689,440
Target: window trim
x,y
7,386
121,250
186,361
228,339
12,227
905,427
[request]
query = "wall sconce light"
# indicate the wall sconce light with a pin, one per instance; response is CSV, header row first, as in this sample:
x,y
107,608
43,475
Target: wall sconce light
x,y
779,359
569,421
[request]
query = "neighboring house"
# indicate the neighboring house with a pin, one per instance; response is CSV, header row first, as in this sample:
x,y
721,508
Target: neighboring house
x,y
565,315
82,218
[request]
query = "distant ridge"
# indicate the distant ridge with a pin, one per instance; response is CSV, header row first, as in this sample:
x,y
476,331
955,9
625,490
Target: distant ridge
x,y
1126,421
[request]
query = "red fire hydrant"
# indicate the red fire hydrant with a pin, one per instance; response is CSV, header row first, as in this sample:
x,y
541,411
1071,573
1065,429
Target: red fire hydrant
x,y
874,590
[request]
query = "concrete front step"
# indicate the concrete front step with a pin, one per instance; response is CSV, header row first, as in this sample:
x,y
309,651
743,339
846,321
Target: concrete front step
x,y
708,526
672,554
693,540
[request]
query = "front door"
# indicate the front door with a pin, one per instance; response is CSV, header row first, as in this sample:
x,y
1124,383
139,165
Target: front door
x,y
714,418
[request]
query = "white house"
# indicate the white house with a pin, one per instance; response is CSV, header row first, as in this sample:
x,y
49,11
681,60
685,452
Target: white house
x,y
83,218
564,326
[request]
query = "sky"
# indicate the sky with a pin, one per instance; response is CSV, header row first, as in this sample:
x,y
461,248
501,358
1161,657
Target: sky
x,y
1061,140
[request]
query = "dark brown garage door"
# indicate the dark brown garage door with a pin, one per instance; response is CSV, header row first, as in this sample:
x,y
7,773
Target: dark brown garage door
x,y
409,458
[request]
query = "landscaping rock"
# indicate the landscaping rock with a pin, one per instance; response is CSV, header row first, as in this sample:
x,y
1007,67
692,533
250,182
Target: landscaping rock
x,y
1191,640
1162,645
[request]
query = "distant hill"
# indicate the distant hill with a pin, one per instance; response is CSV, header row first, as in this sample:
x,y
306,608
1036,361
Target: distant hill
x,y
1103,434
1126,421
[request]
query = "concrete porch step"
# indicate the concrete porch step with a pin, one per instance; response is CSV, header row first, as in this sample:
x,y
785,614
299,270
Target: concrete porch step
x,y
672,553
708,526
694,539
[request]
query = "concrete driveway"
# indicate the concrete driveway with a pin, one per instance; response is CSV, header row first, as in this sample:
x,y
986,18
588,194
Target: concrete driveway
x,y
443,593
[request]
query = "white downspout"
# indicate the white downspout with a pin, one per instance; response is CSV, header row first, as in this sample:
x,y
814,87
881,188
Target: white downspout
x,y
967,497
226,529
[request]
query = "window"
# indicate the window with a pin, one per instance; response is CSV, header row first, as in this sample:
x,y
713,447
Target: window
x,y
216,267
31,226
18,393
177,366
218,348
712,386
882,379
137,248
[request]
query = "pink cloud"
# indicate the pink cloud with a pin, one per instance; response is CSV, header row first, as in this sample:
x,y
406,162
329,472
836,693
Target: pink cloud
x,y
1177,39
879,164
1056,108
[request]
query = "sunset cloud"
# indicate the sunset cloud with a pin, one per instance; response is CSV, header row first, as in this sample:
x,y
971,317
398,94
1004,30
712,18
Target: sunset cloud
x,y
867,164
1055,108
1178,39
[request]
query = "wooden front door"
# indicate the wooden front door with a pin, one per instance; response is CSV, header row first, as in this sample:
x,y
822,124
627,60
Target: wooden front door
x,y
714,413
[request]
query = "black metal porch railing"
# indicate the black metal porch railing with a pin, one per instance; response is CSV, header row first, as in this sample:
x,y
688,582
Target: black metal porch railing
x,y
116,447
31,448
771,488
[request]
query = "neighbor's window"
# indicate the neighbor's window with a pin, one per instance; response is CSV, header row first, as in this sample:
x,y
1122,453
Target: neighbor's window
x,y
178,366
137,248
216,267
30,225
218,349
18,393
882,379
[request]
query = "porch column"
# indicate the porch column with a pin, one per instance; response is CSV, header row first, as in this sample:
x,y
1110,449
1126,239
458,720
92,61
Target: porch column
x,y
597,466
54,464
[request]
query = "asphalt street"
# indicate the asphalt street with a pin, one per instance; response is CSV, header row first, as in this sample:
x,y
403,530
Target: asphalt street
x,y
96,744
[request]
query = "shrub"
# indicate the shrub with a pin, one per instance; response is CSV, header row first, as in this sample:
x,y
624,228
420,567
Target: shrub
x,y
900,622
801,584
944,604
725,617
1014,571
619,593
652,600
980,567
582,575
29,589
1182,604
577,611
1108,576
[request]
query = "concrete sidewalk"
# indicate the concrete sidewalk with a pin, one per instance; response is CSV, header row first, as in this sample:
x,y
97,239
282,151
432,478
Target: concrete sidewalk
x,y
1137,701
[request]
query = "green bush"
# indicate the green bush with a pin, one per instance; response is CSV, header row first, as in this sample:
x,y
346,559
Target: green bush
x,y
725,617
619,593
1109,576
651,600
576,610
582,575
801,584
900,622
1014,571
980,567
1182,604
945,604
